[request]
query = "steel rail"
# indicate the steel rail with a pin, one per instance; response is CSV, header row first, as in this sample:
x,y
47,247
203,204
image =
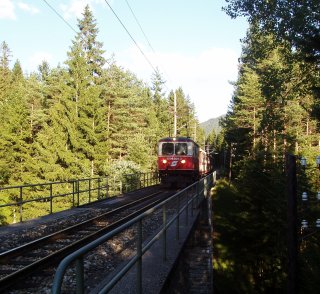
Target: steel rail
x,y
8,280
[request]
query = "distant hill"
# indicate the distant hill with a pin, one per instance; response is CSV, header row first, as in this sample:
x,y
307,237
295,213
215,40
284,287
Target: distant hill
x,y
212,124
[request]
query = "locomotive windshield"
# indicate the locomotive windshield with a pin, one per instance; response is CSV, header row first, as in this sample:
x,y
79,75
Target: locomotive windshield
x,y
169,148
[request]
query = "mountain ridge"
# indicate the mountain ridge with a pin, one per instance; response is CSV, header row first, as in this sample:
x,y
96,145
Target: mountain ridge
x,y
212,124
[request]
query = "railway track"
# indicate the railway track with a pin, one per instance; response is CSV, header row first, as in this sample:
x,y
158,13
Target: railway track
x,y
45,252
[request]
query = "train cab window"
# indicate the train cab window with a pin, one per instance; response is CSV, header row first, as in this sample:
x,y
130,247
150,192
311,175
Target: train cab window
x,y
181,148
166,149
190,149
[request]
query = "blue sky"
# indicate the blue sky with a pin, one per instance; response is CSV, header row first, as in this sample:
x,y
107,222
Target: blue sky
x,y
196,45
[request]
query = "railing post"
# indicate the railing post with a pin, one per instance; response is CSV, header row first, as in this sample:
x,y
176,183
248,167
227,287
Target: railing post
x,y
292,238
80,275
199,188
178,219
194,196
164,239
78,192
20,204
99,188
144,180
50,198
205,187
187,208
73,191
139,254
107,187
89,190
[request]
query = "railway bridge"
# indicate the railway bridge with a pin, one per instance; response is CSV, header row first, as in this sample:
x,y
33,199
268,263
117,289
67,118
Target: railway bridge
x,y
163,246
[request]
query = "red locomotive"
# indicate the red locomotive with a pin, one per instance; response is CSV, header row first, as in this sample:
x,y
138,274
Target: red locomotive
x,y
181,161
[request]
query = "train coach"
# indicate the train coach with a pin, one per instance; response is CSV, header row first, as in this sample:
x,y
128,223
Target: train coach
x,y
181,161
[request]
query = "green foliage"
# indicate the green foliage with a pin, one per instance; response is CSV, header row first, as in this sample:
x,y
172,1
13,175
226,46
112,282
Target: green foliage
x,y
77,120
295,21
272,99
271,114
250,236
125,172
123,167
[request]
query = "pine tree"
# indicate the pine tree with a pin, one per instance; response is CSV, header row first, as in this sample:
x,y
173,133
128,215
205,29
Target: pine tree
x,y
127,110
187,123
294,21
161,106
5,73
85,68
55,142
15,135
270,115
91,48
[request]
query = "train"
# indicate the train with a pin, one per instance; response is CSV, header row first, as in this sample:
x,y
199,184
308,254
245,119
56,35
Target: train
x,y
181,161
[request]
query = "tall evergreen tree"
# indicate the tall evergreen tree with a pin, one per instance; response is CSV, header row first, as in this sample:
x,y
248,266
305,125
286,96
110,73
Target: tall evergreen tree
x,y
85,68
5,73
56,141
127,110
278,84
91,47
161,106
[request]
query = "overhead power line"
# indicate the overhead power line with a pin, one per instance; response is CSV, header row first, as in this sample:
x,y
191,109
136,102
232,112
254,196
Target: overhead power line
x,y
141,51
68,24
60,16
137,21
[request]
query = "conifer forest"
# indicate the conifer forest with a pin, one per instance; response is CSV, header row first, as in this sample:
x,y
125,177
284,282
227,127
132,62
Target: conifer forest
x,y
85,116
80,118
274,112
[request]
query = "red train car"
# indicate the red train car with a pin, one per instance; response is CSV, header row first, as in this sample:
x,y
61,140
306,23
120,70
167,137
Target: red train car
x,y
181,161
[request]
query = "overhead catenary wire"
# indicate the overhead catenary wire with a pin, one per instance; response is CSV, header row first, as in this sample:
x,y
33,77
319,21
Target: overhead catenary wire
x,y
141,51
137,21
60,16
149,43
174,92
67,23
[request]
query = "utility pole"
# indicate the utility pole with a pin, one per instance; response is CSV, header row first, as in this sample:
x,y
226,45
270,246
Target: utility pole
x,y
230,162
174,114
292,224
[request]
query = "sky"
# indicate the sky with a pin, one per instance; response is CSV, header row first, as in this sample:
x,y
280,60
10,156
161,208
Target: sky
x,y
194,44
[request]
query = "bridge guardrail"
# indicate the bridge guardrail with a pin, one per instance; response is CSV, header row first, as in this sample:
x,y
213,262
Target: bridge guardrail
x,y
199,191
16,202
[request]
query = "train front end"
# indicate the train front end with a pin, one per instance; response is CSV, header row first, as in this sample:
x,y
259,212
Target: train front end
x,y
178,161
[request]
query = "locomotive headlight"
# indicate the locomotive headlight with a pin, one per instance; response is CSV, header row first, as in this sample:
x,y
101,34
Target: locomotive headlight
x,y
164,161
183,161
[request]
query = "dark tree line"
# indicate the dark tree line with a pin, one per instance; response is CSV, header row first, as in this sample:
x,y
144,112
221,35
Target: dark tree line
x,y
273,112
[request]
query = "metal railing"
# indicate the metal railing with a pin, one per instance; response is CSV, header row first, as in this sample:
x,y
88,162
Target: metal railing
x,y
19,203
185,202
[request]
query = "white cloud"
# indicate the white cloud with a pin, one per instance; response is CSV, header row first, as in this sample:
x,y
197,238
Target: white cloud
x,y
36,59
7,9
76,7
204,76
28,8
